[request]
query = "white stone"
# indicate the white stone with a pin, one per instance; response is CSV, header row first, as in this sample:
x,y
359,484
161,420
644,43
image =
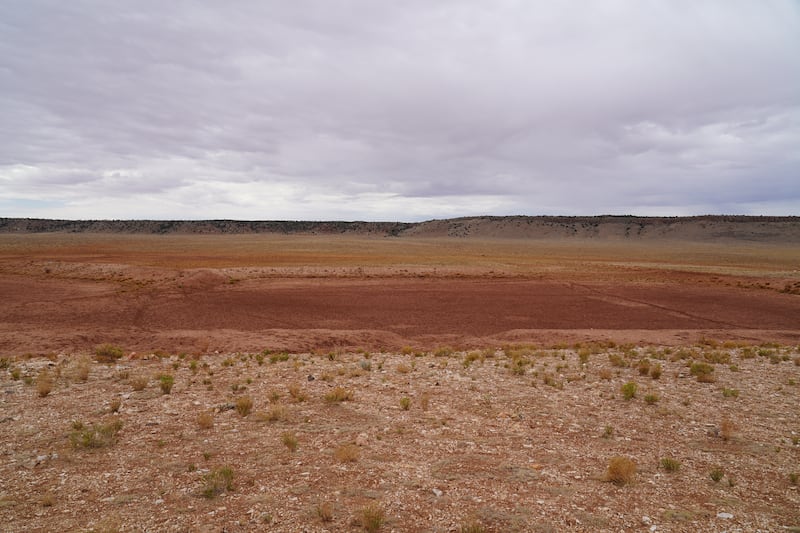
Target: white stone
x,y
437,493
726,516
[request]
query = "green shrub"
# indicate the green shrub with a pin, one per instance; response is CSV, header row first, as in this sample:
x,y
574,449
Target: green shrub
x,y
218,481
108,353
703,371
629,390
670,465
405,403
96,436
166,381
278,357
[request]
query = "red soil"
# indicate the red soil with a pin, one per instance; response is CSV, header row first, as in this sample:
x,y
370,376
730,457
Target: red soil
x,y
202,311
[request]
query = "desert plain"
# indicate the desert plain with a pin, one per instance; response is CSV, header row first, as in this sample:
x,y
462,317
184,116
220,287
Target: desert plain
x,y
370,382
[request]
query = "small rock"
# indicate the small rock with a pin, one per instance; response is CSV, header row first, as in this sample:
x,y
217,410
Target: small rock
x,y
437,493
311,377
646,520
725,516
158,501
362,439
653,528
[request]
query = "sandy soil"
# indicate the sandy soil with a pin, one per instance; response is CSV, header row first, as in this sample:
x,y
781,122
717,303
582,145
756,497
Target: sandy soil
x,y
472,407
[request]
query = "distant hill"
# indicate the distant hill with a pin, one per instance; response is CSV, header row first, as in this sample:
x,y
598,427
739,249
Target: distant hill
x,y
698,228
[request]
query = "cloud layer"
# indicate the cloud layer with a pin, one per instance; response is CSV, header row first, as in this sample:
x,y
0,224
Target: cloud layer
x,y
398,110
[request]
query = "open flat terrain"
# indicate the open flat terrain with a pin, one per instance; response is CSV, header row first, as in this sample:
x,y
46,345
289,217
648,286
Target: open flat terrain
x,y
484,376
208,293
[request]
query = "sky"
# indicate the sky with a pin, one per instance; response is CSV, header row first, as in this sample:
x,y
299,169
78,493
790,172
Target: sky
x,y
398,110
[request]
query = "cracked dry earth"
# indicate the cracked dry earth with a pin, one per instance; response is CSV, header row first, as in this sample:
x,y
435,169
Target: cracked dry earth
x,y
516,438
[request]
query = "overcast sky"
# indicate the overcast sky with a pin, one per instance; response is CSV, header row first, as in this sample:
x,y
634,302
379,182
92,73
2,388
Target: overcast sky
x,y
398,110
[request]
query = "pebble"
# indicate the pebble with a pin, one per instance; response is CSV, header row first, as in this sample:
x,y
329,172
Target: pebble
x,y
362,439
437,493
726,516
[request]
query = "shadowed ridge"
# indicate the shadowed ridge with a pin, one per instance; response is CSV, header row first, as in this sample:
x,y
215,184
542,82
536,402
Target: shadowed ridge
x,y
613,227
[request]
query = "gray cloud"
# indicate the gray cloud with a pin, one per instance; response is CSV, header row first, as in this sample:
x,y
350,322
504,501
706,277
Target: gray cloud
x,y
401,110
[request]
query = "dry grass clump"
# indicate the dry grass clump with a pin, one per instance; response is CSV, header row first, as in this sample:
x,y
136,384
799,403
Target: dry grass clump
x,y
425,401
471,357
297,394
339,394
655,371
139,383
276,413
325,512
372,517
278,357
205,420
244,405
403,368
405,403
717,357
96,436
44,383
472,527
108,353
605,374
621,470
80,371
289,440
48,499
727,429
617,360
218,481
347,453
114,405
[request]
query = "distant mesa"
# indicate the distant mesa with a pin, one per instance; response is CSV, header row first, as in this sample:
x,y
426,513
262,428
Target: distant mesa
x,y
696,228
